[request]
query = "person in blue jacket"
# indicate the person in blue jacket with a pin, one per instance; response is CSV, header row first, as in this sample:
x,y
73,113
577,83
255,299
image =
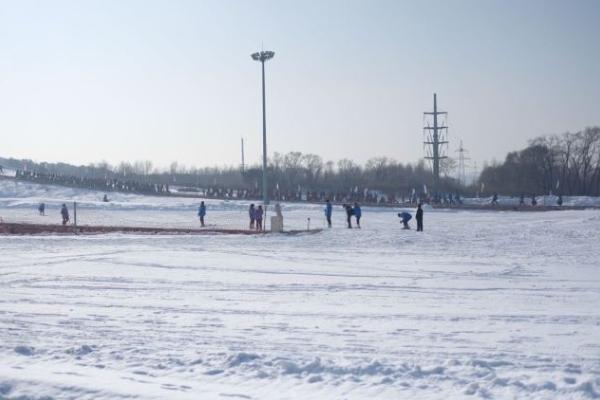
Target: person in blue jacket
x,y
404,218
202,213
328,212
357,214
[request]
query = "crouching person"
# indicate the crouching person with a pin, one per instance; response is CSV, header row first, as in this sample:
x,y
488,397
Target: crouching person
x,y
404,218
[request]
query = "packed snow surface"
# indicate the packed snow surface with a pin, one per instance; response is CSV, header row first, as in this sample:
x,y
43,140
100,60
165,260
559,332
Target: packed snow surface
x,y
481,305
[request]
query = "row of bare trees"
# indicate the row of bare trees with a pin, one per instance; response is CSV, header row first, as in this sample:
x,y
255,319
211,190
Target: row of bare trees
x,y
309,172
567,164
291,172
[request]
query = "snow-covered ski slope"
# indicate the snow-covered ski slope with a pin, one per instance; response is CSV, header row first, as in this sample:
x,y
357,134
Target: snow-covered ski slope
x,y
497,305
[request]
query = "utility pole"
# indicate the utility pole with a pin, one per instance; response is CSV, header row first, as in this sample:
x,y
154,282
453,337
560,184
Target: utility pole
x,y
462,176
243,164
435,140
264,56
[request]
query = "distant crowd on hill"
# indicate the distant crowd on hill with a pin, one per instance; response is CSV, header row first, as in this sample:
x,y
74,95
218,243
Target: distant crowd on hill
x,y
100,184
355,194
292,177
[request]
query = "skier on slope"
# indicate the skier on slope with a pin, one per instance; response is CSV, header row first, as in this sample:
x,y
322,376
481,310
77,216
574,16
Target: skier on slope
x,y
65,214
419,218
201,213
328,212
42,209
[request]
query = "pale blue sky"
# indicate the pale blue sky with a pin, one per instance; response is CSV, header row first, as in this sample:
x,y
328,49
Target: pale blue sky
x,y
84,81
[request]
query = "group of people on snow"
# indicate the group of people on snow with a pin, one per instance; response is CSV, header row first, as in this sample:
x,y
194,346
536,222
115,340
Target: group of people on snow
x,y
256,213
64,212
256,217
350,211
405,217
356,211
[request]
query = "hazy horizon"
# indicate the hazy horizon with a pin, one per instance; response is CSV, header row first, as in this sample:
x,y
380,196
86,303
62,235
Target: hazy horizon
x,y
82,82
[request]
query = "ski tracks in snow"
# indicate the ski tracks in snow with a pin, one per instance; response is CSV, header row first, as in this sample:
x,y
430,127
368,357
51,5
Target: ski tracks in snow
x,y
465,310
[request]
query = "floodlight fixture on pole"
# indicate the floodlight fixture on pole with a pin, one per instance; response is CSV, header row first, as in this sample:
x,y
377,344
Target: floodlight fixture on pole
x,y
262,57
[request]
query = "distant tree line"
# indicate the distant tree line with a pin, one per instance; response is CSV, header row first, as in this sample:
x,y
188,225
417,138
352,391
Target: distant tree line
x,y
567,164
298,171
292,176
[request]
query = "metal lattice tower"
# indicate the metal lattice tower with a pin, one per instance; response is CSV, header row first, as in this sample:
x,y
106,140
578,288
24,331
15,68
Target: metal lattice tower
x,y
462,158
436,133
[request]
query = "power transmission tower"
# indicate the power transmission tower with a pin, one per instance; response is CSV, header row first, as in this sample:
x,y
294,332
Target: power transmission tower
x,y
435,133
462,176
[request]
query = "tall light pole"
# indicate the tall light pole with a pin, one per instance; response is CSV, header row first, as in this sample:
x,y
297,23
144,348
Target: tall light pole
x,y
262,57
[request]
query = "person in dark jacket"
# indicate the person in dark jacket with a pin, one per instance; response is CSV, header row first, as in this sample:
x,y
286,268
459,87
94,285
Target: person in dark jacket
x,y
349,213
419,218
495,199
252,215
328,212
357,214
42,209
201,213
258,214
65,214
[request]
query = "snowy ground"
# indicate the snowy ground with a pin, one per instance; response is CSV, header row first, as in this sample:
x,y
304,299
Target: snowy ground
x,y
481,305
